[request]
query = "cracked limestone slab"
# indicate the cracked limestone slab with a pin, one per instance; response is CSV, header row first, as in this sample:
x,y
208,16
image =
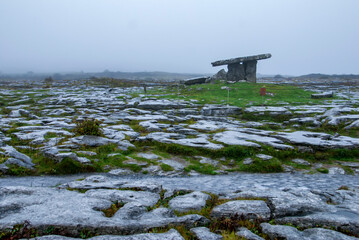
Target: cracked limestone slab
x,y
192,201
246,139
203,233
170,235
125,196
45,207
95,182
288,232
318,140
199,141
249,209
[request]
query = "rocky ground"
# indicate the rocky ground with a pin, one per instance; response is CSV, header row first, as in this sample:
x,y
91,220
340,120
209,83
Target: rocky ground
x,y
144,134
251,206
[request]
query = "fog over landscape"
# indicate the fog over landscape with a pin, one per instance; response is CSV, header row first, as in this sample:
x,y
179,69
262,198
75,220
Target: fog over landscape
x,y
179,119
178,36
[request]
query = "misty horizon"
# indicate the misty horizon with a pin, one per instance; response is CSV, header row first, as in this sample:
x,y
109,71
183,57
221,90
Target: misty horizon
x,y
178,36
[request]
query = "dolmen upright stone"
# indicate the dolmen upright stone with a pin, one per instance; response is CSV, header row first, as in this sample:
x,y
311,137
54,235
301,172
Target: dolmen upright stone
x,y
242,68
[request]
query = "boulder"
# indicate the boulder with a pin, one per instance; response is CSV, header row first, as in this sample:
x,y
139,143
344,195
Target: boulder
x,y
193,81
336,170
322,95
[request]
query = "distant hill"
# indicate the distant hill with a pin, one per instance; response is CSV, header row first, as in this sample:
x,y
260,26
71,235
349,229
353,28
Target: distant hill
x,y
326,76
150,76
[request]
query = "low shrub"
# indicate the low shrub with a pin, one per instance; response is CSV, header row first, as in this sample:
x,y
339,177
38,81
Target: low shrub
x,y
166,167
323,170
69,166
260,166
89,127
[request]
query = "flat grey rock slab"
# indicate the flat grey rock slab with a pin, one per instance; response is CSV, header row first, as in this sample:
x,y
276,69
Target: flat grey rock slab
x,y
291,233
270,110
45,207
208,125
248,139
313,121
150,156
113,134
264,157
301,161
342,219
92,141
247,234
249,209
18,162
150,186
12,152
170,235
203,233
95,182
192,201
125,196
88,153
160,104
120,171
318,140
350,164
177,165
247,161
146,117
220,111
242,184
296,203
199,141
354,124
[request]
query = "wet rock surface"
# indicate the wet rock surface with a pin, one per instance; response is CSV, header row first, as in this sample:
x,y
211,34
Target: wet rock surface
x,y
46,125
193,201
170,163
247,234
170,235
287,232
249,209
203,233
319,203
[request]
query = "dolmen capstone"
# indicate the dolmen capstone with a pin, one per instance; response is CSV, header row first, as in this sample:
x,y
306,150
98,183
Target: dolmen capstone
x,y
242,68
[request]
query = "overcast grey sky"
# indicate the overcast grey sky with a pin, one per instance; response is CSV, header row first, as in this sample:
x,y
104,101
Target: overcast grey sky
x,y
304,36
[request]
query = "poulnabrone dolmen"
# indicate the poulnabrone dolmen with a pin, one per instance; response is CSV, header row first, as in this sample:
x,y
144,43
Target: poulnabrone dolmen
x,y
242,68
